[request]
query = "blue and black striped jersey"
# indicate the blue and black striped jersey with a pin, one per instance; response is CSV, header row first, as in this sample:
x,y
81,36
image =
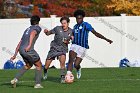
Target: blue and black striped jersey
x,y
80,32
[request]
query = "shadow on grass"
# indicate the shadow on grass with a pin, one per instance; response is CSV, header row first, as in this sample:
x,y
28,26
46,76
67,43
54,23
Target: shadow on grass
x,y
8,84
53,79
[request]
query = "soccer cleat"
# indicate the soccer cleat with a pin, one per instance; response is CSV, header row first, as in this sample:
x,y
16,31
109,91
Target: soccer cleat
x,y
38,86
13,82
79,73
62,79
45,76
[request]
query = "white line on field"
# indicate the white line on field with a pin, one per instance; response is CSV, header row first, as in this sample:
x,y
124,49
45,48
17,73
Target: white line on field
x,y
82,80
110,80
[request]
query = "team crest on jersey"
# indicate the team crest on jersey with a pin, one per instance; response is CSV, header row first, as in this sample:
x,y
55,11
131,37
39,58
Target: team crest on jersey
x,y
76,30
80,27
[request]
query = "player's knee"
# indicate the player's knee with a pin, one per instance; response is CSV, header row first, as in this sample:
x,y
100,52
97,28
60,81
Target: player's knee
x,y
38,67
27,67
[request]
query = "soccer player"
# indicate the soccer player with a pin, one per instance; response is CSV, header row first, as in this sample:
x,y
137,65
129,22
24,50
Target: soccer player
x,y
59,46
80,42
29,55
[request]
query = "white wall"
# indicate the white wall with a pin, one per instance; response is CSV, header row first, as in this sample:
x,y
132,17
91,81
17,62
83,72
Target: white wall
x,y
100,54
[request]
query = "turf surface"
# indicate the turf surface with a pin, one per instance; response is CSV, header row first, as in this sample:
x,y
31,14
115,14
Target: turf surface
x,y
94,80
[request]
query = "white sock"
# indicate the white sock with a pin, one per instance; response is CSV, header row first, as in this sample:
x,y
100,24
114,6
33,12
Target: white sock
x,y
69,72
16,79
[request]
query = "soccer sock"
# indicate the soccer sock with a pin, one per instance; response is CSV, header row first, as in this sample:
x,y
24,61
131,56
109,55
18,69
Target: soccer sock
x,y
69,72
38,76
78,67
45,70
62,73
21,72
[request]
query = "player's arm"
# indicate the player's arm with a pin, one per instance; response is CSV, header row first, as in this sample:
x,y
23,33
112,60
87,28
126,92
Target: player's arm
x,y
53,31
16,51
101,36
47,32
72,36
32,35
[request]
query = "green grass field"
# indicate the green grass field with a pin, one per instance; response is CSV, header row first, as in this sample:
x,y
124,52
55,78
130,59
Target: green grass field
x,y
95,80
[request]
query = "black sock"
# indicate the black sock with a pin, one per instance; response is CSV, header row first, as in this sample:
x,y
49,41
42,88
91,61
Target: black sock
x,y
45,70
77,67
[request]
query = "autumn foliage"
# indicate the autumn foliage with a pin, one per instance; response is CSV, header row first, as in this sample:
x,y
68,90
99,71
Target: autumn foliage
x,y
130,7
45,8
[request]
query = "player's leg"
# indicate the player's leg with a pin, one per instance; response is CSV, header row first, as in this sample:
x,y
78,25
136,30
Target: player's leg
x,y
23,70
72,56
80,55
46,67
78,67
38,74
21,73
49,59
62,60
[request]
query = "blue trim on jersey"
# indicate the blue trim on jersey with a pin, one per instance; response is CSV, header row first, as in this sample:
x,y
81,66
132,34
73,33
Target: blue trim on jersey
x,y
83,36
81,32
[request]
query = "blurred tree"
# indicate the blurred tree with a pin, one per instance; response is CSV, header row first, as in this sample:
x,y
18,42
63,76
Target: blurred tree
x,y
45,8
98,8
2,14
9,8
36,11
130,7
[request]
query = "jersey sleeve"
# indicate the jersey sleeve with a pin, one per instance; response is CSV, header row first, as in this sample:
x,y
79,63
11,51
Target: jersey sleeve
x,y
37,29
71,32
89,27
53,31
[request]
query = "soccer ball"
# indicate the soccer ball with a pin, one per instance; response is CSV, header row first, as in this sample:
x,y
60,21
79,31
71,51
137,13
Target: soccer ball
x,y
69,78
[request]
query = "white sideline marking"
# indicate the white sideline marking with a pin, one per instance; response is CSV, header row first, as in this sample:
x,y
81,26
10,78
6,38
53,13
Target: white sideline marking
x,y
111,80
91,80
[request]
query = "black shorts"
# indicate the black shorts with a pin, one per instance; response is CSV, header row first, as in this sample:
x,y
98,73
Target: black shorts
x,y
30,57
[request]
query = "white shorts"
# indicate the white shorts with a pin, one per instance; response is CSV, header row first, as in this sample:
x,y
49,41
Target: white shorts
x,y
80,51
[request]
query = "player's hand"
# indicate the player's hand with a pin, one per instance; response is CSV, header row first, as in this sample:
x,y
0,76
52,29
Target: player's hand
x,y
27,48
13,57
66,42
46,30
110,41
72,38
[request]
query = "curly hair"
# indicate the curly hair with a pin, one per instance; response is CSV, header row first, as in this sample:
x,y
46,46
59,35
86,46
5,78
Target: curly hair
x,y
79,12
